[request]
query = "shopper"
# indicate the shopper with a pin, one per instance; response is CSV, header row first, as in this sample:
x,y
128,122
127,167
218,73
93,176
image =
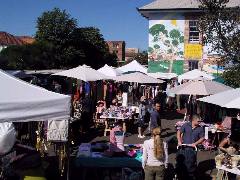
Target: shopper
x,y
142,116
155,156
192,134
155,119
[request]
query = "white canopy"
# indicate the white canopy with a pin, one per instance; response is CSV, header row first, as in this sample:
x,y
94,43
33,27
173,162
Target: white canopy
x,y
138,78
133,66
21,101
194,74
227,99
199,88
83,72
109,71
161,75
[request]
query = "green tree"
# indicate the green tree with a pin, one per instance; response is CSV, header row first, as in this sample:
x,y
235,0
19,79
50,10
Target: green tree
x,y
60,44
175,34
156,29
231,76
156,46
220,26
175,42
93,45
150,50
33,56
55,26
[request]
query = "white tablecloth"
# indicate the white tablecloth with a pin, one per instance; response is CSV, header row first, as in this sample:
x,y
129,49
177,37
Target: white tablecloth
x,y
233,170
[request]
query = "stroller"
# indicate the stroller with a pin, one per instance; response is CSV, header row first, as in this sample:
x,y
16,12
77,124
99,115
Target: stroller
x,y
186,162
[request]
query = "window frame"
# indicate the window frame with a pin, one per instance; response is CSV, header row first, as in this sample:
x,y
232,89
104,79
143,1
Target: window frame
x,y
193,30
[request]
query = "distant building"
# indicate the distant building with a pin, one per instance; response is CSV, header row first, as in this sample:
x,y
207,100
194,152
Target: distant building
x,y
130,53
7,39
175,43
117,47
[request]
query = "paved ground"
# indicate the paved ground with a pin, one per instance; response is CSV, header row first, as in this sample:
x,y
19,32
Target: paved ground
x,y
205,158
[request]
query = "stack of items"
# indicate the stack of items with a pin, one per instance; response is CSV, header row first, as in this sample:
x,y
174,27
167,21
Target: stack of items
x,y
118,112
134,151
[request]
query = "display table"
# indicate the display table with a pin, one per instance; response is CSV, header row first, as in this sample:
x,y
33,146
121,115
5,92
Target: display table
x,y
98,168
107,162
233,170
109,118
223,171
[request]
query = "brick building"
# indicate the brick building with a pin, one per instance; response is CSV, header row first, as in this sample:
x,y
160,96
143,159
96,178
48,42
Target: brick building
x,y
130,53
117,47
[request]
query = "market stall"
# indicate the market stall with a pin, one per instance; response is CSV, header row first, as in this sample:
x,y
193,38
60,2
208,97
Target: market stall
x,y
109,71
96,157
194,74
132,67
24,102
228,161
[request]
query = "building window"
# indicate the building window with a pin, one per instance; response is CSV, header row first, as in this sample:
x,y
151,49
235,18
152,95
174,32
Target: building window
x,y
115,45
193,31
192,65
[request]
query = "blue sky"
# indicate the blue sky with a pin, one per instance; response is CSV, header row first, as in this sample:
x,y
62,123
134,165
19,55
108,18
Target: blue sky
x,y
117,19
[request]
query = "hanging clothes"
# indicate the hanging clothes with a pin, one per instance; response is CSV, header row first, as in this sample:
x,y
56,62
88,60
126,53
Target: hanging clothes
x,y
100,91
87,88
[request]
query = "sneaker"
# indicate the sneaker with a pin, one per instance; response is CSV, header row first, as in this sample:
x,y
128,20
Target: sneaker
x,y
139,136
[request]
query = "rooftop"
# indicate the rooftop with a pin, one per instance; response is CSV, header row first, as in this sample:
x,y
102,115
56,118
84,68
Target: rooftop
x,y
7,39
26,39
179,4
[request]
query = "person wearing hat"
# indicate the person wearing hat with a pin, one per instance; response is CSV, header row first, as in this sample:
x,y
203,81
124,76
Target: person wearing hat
x,y
191,134
141,116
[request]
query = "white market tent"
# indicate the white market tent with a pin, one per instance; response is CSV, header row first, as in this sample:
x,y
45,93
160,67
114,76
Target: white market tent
x,y
227,99
83,72
109,71
133,66
202,87
22,102
194,74
138,77
160,75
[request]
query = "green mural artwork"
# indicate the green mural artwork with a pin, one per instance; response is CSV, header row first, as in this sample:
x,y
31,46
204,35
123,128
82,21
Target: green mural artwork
x,y
166,45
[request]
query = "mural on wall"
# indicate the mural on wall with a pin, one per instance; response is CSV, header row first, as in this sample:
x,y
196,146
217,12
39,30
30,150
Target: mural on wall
x,y
166,40
166,45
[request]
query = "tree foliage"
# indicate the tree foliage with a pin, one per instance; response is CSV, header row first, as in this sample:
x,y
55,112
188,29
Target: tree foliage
x,y
220,26
55,26
231,76
59,44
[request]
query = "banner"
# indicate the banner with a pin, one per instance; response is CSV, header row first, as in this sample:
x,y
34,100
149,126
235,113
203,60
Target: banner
x,y
193,51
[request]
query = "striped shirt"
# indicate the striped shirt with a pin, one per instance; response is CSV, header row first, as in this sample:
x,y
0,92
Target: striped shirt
x,y
148,157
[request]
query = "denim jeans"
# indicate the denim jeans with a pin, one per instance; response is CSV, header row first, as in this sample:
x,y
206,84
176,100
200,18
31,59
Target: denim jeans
x,y
154,172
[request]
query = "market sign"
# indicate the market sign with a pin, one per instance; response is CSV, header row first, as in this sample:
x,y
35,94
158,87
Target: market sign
x,y
193,51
